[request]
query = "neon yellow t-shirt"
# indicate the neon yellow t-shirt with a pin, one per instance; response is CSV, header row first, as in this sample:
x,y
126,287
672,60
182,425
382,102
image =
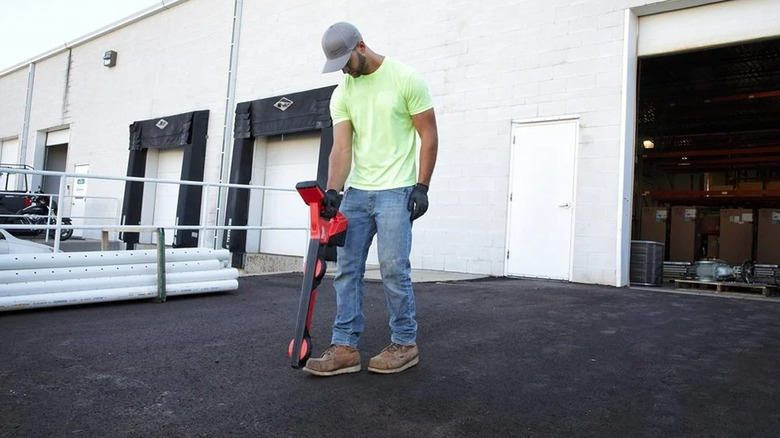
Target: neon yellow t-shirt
x,y
379,106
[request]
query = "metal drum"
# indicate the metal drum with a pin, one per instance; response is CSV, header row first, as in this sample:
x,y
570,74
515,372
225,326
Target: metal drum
x,y
647,263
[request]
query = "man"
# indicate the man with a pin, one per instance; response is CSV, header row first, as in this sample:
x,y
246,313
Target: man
x,y
377,111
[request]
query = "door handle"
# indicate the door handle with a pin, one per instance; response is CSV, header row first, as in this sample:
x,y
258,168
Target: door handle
x,y
566,205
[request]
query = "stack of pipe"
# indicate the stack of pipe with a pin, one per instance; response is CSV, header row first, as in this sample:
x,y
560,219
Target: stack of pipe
x,y
70,278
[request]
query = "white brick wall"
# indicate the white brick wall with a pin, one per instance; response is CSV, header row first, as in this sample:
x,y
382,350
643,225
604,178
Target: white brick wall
x,y
13,92
173,62
50,102
487,64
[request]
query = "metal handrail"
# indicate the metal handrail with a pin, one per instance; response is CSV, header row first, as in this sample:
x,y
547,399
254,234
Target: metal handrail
x,y
58,226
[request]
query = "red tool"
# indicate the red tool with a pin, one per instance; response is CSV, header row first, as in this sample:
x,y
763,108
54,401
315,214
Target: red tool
x,y
322,233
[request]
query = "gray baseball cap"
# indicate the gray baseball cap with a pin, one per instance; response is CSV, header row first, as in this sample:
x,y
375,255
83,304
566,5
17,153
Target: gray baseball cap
x,y
337,43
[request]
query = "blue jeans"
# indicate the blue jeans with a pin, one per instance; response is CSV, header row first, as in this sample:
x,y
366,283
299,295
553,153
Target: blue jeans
x,y
382,213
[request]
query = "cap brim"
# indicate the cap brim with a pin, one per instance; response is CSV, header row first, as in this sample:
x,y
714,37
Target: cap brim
x,y
337,64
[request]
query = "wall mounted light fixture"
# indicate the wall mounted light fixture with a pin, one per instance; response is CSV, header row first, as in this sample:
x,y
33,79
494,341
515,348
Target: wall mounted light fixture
x,y
109,58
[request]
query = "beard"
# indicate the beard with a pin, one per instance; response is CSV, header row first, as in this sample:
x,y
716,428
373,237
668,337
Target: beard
x,y
362,64
360,70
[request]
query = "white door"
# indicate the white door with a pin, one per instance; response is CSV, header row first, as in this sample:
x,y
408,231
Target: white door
x,y
78,207
167,195
289,159
541,205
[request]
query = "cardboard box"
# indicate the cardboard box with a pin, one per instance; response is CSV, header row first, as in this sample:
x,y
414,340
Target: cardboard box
x,y
653,227
683,235
736,235
721,188
750,186
768,243
710,223
713,246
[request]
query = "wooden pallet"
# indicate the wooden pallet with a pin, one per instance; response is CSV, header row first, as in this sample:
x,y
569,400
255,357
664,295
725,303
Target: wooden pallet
x,y
727,286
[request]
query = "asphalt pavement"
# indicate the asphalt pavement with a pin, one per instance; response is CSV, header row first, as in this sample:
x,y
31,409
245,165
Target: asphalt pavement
x,y
498,357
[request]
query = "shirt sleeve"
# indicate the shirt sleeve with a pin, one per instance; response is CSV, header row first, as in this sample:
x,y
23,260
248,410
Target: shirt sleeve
x,y
338,106
418,98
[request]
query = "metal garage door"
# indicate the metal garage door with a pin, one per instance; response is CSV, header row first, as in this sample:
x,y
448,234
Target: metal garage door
x,y
710,25
166,196
285,161
9,154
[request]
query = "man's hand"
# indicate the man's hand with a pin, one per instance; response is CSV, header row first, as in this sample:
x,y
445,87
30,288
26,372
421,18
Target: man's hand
x,y
331,203
418,201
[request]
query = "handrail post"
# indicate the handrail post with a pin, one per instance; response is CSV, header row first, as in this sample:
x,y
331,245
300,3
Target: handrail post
x,y
58,230
204,207
48,215
161,265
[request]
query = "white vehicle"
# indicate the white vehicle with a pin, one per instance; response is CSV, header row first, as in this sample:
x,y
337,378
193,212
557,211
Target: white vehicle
x,y
12,245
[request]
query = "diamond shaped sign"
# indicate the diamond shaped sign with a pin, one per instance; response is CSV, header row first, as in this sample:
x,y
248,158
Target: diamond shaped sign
x,y
283,104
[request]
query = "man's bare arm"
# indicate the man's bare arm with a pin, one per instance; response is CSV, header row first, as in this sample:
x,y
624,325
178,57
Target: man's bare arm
x,y
425,124
340,160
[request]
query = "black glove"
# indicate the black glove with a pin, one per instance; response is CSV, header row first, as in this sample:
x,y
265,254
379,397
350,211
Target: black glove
x,y
331,202
418,201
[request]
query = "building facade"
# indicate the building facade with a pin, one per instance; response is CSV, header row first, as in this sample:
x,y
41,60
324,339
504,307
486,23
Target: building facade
x,y
535,101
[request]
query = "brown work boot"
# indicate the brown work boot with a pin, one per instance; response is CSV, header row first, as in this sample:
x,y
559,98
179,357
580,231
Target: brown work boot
x,y
337,359
394,359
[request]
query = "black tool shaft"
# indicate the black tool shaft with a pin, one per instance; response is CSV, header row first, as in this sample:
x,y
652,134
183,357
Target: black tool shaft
x,y
303,307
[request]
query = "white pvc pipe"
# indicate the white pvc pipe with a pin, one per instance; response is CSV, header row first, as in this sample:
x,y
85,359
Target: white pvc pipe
x,y
47,280
92,258
105,295
48,274
105,283
201,288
